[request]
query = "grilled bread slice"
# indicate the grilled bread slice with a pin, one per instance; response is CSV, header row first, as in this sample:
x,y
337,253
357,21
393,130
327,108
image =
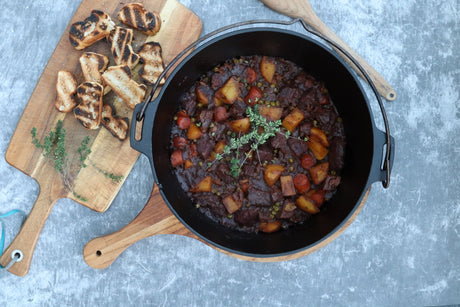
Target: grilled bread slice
x,y
95,27
119,79
150,54
122,51
66,87
136,16
93,65
116,125
89,111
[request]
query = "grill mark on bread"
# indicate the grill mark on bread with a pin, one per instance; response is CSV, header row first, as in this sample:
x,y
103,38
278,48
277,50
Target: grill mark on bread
x,y
136,16
151,55
119,79
88,112
118,126
95,27
121,48
126,12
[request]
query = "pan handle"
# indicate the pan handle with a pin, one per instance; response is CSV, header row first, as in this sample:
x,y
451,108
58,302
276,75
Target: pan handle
x,y
388,139
381,164
141,129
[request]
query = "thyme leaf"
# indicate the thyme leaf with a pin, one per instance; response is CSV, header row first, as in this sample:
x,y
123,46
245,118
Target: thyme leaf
x,y
261,131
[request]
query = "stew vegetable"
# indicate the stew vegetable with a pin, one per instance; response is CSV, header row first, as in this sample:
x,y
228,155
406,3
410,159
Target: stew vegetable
x,y
257,144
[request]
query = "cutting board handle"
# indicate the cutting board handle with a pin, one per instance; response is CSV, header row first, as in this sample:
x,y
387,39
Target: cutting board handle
x,y
155,218
27,237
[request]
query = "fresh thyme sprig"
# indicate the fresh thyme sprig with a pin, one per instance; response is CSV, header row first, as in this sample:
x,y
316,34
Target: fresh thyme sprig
x,y
261,131
54,150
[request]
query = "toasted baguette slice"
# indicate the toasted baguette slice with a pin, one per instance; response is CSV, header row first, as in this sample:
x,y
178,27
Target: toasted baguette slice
x,y
121,48
66,87
93,65
136,16
89,111
150,54
116,125
119,79
95,27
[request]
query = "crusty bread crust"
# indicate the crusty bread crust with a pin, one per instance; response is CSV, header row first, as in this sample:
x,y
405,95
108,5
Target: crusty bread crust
x,y
150,54
66,87
95,27
89,111
119,79
136,16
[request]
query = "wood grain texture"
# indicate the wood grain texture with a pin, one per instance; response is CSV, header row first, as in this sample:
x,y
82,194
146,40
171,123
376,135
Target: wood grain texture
x,y
302,9
156,218
180,27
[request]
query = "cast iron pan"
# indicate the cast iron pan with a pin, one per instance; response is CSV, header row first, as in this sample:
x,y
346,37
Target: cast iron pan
x,y
366,160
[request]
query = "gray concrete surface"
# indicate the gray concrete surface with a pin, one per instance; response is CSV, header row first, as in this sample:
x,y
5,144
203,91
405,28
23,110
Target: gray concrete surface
x,y
402,250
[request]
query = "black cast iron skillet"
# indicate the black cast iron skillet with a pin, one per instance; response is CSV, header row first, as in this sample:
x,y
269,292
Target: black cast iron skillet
x,y
369,151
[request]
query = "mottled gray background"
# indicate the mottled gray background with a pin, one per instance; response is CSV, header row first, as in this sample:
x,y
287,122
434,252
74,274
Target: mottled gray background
x,y
402,250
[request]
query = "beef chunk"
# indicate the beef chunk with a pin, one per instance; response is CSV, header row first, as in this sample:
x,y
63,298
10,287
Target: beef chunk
x,y
204,146
331,183
265,153
288,95
211,202
247,217
279,141
218,79
222,172
259,197
288,210
218,131
206,118
238,109
189,104
307,101
298,147
305,128
276,194
326,117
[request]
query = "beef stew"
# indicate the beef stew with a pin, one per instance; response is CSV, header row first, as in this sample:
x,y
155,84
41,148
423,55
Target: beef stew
x,y
257,144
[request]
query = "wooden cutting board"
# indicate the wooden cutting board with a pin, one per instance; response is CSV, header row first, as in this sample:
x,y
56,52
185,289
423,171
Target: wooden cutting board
x,y
157,219
180,27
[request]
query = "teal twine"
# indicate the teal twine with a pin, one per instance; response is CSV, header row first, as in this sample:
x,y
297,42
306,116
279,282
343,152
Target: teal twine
x,y
2,225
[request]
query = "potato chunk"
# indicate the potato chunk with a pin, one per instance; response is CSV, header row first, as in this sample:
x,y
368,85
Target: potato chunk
x,y
270,226
203,186
193,132
319,136
272,173
293,119
318,149
230,91
270,113
267,68
305,204
319,172
232,204
203,93
240,125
